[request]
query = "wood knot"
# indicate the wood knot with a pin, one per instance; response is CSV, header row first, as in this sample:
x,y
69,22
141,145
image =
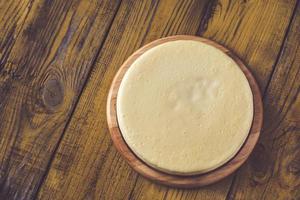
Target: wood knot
x,y
260,163
53,93
294,167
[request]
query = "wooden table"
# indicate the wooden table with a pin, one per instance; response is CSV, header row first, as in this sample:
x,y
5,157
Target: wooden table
x,y
57,61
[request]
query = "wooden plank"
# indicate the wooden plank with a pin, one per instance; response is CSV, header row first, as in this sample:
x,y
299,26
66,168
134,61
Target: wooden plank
x,y
273,170
103,174
253,30
86,164
42,74
12,17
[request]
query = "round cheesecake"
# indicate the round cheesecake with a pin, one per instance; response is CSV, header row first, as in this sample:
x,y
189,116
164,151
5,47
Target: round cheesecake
x,y
184,107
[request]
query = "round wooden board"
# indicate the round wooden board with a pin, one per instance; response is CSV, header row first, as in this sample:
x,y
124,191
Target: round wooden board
x,y
179,180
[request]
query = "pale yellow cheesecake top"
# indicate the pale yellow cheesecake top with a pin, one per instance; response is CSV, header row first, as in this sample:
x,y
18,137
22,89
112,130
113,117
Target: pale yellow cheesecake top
x,y
184,107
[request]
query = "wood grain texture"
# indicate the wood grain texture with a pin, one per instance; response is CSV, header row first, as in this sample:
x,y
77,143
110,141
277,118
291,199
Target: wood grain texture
x,y
44,63
86,151
169,179
105,174
12,17
254,30
273,170
47,49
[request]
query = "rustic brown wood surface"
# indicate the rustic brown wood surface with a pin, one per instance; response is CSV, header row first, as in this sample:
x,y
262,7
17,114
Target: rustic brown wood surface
x,y
58,59
174,180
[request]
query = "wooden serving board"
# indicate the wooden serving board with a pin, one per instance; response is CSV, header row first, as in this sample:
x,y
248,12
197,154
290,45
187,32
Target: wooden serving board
x,y
180,180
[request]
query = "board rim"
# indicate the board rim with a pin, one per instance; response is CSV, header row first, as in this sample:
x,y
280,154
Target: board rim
x,y
184,181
